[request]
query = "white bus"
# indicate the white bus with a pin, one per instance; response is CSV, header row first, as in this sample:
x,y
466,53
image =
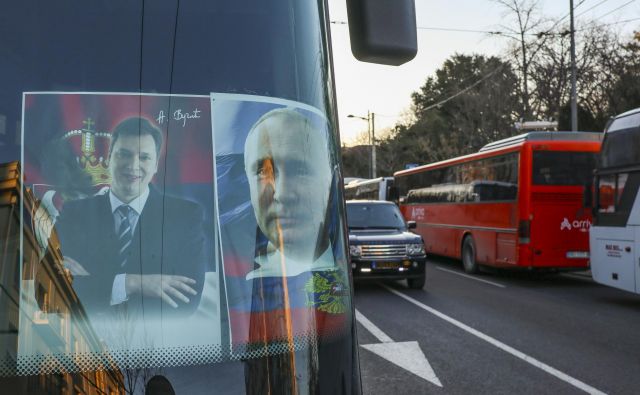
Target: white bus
x,y
374,189
615,234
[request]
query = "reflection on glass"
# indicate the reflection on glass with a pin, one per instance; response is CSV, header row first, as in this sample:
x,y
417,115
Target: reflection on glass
x,y
606,192
289,174
621,182
287,287
276,48
49,316
129,224
484,180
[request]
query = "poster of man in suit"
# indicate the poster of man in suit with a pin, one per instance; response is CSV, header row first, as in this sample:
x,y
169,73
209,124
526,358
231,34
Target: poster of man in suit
x,y
281,237
202,226
124,185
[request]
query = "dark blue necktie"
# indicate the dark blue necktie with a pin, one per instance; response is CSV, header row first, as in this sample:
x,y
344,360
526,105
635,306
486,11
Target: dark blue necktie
x,y
125,234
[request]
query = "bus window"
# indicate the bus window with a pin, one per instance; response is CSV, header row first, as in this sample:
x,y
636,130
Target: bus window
x,y
562,168
606,191
148,150
620,148
611,192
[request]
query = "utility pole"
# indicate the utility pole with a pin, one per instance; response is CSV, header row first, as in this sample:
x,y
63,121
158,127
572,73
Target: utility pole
x,y
371,135
373,145
574,98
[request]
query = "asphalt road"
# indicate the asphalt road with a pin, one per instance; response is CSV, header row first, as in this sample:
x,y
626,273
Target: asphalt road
x,y
498,333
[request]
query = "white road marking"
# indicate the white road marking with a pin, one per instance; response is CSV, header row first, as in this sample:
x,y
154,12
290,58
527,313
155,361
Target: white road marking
x,y
471,277
407,355
370,326
518,354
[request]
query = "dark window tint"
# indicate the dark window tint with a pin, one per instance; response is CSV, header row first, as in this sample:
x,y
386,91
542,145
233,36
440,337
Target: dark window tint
x,y
272,48
621,148
369,216
484,180
616,195
563,168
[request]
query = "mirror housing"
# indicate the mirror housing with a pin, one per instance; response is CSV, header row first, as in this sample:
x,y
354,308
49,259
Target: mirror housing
x,y
383,31
411,225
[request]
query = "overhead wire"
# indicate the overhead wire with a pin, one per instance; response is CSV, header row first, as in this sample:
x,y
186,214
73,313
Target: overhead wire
x,y
465,90
616,9
624,21
506,34
447,29
591,8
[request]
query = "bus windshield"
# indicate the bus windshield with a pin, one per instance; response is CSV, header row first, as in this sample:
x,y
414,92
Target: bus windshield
x,y
620,148
143,148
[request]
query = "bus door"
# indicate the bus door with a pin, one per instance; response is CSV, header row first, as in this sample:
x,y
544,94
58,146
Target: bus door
x,y
559,224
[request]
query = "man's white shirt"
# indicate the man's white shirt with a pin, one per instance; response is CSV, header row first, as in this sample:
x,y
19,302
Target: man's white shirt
x,y
118,290
271,265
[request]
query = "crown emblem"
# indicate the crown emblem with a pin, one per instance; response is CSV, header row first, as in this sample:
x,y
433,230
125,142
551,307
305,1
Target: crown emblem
x,y
93,147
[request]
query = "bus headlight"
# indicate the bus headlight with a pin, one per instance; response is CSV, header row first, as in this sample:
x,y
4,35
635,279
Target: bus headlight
x,y
415,249
355,250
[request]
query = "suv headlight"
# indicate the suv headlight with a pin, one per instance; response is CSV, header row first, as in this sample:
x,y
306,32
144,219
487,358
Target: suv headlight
x,y
355,250
415,249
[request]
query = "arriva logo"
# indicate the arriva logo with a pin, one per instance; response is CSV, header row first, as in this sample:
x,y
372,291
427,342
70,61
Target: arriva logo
x,y
582,225
417,213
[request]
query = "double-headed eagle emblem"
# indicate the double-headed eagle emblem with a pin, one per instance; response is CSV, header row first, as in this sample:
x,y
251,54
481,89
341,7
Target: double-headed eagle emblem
x,y
327,291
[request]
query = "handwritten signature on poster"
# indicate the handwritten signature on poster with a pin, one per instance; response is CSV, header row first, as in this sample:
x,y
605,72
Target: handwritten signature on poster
x,y
180,116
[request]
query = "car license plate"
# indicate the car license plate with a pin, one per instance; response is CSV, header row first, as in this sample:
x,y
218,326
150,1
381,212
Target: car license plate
x,y
577,254
385,265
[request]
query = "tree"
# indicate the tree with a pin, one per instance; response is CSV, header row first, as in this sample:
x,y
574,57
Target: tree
x,y
470,101
527,22
608,75
625,92
355,161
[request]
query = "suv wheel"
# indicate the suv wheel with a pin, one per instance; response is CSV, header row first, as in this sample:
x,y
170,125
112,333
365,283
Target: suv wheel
x,y
417,283
469,255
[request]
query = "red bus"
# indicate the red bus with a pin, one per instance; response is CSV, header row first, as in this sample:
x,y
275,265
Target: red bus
x,y
517,203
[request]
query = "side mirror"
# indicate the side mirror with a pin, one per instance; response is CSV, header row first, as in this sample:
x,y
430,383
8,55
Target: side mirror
x,y
383,31
412,224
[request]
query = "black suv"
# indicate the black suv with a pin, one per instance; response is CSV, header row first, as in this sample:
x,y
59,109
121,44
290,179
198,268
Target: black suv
x,y
381,246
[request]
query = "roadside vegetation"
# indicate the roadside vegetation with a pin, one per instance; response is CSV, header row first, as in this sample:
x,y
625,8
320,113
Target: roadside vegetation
x,y
473,99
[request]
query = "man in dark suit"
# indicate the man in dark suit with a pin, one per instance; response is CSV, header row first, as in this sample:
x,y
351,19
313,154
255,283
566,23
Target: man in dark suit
x,y
133,246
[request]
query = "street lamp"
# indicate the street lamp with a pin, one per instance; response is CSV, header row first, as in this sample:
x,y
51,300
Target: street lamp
x,y
371,134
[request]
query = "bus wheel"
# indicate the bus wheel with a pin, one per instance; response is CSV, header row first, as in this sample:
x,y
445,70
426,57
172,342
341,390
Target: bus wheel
x,y
469,255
